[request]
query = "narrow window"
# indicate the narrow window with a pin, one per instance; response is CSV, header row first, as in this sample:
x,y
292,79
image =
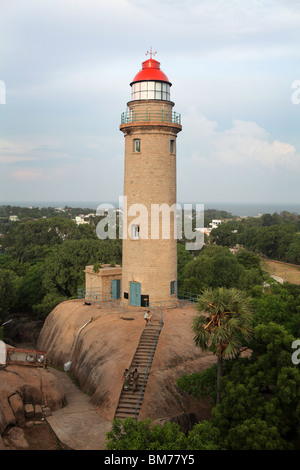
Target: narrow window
x,y
135,232
173,287
137,145
172,146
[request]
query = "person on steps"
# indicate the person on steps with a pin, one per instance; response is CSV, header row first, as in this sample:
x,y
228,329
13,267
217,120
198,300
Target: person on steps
x,y
135,377
126,378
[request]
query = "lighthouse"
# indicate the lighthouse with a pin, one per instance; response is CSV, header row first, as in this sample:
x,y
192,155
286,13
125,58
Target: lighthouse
x,y
150,127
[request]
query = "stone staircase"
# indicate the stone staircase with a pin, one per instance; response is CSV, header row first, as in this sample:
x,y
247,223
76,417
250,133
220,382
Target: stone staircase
x,y
130,402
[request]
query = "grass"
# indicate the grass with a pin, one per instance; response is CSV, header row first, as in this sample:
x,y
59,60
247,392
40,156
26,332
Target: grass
x,y
288,272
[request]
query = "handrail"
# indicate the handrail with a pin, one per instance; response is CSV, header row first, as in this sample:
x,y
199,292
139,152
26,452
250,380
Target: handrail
x,y
149,364
96,296
67,365
188,296
163,116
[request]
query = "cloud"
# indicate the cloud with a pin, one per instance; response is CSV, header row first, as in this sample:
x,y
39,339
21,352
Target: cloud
x,y
12,152
26,175
67,66
245,144
239,163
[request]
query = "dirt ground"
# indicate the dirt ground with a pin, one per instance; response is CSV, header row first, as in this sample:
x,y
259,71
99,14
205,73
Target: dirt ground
x,y
41,437
288,272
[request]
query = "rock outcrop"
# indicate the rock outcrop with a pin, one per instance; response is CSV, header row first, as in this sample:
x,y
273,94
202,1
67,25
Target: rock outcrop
x,y
106,346
21,386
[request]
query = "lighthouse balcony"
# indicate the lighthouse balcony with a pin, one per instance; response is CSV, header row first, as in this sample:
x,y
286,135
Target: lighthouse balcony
x,y
165,116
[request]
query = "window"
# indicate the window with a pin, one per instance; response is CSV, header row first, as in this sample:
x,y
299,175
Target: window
x,y
172,146
135,232
149,90
173,287
137,145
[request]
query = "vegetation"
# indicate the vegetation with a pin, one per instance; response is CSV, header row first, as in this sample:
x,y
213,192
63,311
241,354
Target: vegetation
x,y
274,236
255,404
260,389
140,435
42,260
215,266
223,323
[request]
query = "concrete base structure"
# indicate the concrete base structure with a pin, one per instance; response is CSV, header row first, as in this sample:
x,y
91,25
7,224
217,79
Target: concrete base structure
x,y
106,280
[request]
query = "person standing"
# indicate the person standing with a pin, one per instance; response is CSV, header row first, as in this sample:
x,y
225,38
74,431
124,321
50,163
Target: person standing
x,y
126,378
135,376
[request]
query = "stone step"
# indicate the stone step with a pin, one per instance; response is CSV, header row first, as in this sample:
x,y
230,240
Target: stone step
x,y
142,354
125,415
128,399
129,402
139,362
129,394
143,351
128,407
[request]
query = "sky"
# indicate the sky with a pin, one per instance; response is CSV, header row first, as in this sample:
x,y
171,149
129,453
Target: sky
x,y
65,73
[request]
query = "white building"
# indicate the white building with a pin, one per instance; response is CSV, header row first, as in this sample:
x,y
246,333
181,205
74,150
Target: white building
x,y
215,223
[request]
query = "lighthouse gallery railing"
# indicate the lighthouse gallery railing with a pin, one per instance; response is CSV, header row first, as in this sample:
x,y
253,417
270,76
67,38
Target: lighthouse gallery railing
x,y
147,116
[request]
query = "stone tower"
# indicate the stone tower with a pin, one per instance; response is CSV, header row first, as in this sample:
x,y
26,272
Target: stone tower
x,y
150,127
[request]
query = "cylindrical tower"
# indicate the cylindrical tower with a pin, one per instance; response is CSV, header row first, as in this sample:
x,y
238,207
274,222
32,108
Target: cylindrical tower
x,y
150,126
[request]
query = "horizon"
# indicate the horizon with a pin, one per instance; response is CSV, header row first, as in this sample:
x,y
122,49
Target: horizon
x,y
247,209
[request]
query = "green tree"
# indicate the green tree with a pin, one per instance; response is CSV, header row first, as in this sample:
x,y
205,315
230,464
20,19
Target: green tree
x,y
30,241
222,325
30,290
204,436
256,434
183,258
129,434
141,435
293,250
249,280
9,282
64,266
248,259
215,266
280,305
225,234
47,304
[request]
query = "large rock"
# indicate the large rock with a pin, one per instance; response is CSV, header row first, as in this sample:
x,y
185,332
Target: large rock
x,y
106,347
24,325
21,385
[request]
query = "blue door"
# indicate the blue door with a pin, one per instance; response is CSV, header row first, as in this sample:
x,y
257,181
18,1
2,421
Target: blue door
x,y
115,289
135,294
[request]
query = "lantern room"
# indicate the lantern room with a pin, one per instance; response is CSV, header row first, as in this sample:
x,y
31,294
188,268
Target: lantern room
x,y
150,83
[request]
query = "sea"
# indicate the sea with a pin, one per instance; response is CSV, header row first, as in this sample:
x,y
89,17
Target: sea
x,y
236,209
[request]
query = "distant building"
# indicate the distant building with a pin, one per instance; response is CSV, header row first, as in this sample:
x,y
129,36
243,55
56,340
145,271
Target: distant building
x,y
215,223
80,220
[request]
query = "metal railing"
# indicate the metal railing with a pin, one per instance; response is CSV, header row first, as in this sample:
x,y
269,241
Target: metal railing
x,y
187,297
182,298
173,303
149,364
96,296
147,116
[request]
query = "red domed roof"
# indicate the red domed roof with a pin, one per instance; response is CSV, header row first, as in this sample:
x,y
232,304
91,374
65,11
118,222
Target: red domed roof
x,y
150,71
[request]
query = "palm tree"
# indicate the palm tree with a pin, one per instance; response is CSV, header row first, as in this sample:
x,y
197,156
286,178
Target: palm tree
x,y
222,325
